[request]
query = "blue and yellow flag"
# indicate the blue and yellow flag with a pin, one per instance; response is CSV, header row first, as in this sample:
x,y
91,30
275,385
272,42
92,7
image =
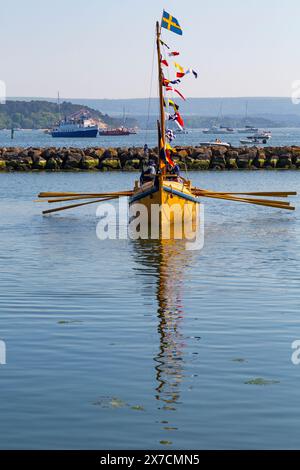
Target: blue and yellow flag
x,y
170,23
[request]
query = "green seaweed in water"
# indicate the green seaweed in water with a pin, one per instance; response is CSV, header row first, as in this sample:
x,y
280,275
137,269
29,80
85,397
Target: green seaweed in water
x,y
260,381
166,443
137,408
117,403
68,322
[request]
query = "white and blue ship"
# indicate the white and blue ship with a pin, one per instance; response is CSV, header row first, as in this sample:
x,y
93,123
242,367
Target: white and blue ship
x,y
80,127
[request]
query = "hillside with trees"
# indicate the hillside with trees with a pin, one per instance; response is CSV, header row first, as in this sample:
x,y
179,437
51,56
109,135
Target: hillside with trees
x,y
44,114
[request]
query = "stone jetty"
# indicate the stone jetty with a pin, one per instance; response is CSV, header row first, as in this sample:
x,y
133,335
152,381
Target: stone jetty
x,y
131,159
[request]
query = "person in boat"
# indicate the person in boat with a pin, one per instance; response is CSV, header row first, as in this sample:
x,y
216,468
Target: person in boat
x,y
148,173
146,150
175,170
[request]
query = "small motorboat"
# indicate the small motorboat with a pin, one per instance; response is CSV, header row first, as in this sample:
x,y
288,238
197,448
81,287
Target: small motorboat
x,y
254,140
263,135
215,143
250,141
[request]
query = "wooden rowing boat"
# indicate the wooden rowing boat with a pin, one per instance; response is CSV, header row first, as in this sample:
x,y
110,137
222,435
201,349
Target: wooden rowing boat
x,y
173,194
167,198
174,199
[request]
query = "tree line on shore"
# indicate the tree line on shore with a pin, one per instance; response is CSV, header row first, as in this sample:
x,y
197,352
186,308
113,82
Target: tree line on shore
x,y
42,114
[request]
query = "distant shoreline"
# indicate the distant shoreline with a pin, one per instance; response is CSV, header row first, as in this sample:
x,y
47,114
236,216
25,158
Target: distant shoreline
x,y
198,112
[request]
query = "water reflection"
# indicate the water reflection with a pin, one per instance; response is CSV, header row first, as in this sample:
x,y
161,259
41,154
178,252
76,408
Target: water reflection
x,y
167,261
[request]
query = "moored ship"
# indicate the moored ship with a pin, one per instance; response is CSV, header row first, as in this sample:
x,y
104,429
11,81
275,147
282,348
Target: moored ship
x,y
80,127
117,131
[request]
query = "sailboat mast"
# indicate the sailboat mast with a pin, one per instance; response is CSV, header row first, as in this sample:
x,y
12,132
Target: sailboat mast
x,y
160,85
58,103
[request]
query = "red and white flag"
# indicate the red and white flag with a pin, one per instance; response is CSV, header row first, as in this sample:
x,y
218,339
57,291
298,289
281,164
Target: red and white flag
x,y
170,88
164,62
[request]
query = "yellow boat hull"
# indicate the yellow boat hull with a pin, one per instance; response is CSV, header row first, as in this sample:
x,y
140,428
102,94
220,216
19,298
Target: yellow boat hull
x,y
170,205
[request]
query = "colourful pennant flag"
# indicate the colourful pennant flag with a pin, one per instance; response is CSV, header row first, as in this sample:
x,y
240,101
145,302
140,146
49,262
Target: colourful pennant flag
x,y
179,67
178,125
173,54
166,82
193,72
174,105
170,23
170,88
170,135
179,119
164,44
163,158
168,155
168,147
180,94
164,62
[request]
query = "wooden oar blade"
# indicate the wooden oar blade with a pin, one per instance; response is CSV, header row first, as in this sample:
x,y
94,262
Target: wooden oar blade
x,y
70,194
265,193
243,199
73,206
269,193
78,198
260,202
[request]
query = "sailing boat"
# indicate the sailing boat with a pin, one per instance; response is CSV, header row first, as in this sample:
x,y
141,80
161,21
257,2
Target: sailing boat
x,y
219,129
174,195
247,129
166,190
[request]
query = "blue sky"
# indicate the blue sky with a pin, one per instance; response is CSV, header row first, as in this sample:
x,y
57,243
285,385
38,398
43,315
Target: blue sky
x,y
103,48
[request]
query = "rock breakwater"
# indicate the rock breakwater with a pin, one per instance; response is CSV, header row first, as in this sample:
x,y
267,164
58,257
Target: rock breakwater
x,y
132,159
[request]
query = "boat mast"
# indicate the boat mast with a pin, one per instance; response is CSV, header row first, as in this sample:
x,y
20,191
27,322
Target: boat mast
x,y
124,119
58,102
162,133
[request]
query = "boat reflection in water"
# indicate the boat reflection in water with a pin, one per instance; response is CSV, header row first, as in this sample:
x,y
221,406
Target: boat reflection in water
x,y
168,262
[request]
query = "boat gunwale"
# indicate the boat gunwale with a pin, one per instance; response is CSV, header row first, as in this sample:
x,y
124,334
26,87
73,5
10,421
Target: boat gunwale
x,y
167,189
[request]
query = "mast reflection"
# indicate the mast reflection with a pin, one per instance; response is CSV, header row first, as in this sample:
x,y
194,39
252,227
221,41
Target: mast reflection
x,y
167,260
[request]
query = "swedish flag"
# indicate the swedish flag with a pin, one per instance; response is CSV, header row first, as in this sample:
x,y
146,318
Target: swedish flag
x,y
170,23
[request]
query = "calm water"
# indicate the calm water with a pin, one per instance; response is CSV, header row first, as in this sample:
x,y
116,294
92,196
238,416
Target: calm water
x,y
143,345
280,137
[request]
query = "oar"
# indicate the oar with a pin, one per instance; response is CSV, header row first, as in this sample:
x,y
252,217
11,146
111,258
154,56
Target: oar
x,y
48,195
216,195
76,198
276,204
49,211
266,194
